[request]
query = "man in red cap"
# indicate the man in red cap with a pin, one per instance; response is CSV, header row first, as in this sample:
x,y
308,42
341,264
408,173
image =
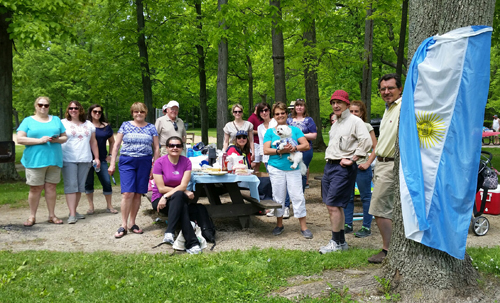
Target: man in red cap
x,y
382,203
349,141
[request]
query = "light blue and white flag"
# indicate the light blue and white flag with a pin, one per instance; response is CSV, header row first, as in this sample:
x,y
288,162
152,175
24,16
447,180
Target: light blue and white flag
x,y
440,127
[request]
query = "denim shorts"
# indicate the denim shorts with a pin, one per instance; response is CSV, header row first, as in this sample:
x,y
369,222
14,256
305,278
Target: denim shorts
x,y
134,173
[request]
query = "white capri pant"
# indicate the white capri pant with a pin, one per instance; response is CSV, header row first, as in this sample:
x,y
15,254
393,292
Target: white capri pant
x,y
291,181
258,156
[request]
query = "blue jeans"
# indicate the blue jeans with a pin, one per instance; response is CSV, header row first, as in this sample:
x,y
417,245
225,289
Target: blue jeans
x,y
364,181
103,178
307,158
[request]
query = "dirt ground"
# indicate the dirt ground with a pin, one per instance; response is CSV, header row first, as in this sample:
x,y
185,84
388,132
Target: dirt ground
x,y
95,233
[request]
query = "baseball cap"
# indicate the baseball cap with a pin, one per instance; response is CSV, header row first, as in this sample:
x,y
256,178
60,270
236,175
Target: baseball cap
x,y
242,133
495,116
292,105
164,107
172,104
341,95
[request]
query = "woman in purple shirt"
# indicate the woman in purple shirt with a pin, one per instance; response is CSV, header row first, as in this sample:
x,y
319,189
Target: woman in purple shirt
x,y
172,173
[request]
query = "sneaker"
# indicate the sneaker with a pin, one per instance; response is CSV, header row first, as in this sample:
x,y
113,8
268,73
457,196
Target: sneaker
x,y
286,213
194,250
169,238
378,258
307,186
363,232
270,213
307,234
72,220
333,246
347,229
78,216
278,230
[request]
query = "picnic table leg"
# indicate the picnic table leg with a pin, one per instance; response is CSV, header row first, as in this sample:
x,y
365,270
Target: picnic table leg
x,y
236,197
244,221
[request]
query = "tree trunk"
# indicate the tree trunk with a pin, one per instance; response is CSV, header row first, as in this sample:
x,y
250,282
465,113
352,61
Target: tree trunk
x,y
7,170
366,84
250,86
311,82
278,54
203,79
417,272
402,39
222,84
143,53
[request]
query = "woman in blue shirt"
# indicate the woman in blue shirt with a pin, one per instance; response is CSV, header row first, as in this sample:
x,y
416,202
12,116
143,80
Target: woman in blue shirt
x,y
43,135
140,146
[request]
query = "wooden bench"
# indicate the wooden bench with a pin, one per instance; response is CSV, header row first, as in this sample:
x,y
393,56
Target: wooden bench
x,y
190,136
263,204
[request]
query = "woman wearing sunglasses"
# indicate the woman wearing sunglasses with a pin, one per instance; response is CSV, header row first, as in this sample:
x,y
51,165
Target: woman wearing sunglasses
x,y
140,147
238,124
77,156
241,147
170,197
283,178
42,134
103,134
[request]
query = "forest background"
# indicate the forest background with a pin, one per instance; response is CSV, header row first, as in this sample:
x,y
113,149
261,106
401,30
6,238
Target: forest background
x,y
93,52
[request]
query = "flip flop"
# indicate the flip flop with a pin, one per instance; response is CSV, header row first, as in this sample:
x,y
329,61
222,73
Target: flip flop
x,y
30,222
121,231
136,230
55,220
90,212
111,210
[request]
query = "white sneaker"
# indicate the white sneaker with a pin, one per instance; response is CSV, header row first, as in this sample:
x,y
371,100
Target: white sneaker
x,y
286,213
270,213
333,246
194,250
169,238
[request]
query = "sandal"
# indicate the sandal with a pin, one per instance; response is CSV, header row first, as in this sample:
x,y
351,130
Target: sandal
x,y
55,220
136,230
121,231
90,212
111,210
30,222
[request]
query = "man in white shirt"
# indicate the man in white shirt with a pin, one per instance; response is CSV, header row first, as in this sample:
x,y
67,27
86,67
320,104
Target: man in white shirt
x,y
170,125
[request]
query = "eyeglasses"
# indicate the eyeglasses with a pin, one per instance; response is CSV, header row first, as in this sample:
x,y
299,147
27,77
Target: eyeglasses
x,y
241,137
175,126
237,111
264,110
97,112
43,105
390,88
73,108
175,146
280,114
139,112
300,100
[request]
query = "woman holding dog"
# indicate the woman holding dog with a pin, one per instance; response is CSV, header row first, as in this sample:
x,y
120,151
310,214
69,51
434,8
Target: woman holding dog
x,y
172,173
283,177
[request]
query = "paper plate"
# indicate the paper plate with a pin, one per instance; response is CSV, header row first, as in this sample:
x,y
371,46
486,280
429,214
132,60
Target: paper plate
x,y
217,173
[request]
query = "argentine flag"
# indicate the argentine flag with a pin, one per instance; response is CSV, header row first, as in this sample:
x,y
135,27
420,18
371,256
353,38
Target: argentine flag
x,y
440,127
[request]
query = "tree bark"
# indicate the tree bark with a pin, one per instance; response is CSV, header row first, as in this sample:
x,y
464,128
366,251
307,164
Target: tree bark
x,y
417,272
366,84
250,86
202,77
143,53
222,83
278,53
7,170
311,82
402,39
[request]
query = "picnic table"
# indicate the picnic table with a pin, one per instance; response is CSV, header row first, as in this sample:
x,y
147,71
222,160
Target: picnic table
x,y
488,138
213,186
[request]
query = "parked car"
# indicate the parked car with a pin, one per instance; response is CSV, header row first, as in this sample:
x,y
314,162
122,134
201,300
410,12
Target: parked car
x,y
375,122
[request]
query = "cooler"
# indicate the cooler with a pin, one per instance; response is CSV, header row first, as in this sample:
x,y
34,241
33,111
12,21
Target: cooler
x,y
492,206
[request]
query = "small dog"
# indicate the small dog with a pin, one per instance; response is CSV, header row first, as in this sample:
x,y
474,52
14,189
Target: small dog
x,y
285,133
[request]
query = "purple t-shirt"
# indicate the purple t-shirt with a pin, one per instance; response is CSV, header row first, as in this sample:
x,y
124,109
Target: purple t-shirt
x,y
172,174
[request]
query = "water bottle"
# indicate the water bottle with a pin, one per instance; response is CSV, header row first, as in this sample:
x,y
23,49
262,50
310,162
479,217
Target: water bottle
x,y
94,164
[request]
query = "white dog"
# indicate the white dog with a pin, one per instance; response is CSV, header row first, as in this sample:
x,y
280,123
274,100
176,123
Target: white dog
x,y
285,133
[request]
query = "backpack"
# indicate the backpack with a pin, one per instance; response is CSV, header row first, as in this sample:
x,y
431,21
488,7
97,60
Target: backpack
x,y
199,214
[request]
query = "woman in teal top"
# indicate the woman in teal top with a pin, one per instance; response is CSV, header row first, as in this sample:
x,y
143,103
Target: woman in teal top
x,y
283,177
43,135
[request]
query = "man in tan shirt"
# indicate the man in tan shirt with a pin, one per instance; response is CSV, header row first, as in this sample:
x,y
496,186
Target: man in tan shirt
x,y
349,141
170,125
382,203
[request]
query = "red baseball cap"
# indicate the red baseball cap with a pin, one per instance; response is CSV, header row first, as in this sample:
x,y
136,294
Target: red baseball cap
x,y
341,95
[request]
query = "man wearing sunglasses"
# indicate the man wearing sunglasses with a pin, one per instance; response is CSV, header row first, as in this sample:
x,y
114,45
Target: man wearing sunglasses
x,y
170,125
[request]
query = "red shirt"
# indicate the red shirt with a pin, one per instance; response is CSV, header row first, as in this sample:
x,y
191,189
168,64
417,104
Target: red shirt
x,y
256,122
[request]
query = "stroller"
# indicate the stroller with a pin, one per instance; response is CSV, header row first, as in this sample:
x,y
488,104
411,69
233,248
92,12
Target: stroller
x,y
481,225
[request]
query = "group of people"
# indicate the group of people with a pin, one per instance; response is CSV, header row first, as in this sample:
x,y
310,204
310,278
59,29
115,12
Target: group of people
x,y
71,145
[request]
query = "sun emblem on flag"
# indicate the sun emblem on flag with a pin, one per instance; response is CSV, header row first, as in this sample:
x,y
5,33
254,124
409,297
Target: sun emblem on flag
x,y
430,129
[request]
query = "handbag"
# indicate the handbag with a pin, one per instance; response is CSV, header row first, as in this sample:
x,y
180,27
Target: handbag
x,y
490,178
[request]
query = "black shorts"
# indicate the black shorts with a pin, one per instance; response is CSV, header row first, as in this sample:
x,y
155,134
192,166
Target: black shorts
x,y
337,184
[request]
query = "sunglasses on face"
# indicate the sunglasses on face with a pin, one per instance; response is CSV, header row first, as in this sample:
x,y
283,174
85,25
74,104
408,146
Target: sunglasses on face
x,y
241,137
73,108
43,105
175,126
237,111
280,114
265,110
97,112
175,146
